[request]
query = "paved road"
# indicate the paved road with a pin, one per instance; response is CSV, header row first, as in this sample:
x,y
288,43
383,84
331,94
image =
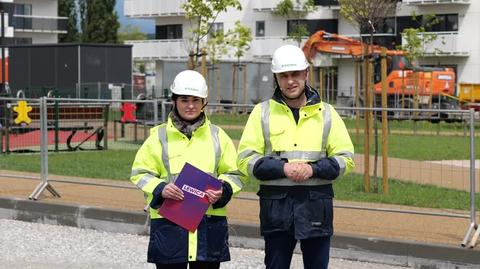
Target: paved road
x,y
41,246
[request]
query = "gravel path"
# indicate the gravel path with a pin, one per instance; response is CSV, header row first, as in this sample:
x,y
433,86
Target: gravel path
x,y
39,246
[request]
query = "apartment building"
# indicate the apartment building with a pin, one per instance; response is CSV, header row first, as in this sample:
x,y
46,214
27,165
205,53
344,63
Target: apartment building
x,y
32,21
457,44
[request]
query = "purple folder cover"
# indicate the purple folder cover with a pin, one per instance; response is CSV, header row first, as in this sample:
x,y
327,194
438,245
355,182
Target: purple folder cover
x,y
189,212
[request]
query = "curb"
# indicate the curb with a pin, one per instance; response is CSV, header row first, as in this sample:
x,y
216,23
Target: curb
x,y
381,250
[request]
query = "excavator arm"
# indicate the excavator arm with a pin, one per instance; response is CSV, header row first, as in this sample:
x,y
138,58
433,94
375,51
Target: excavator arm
x,y
324,42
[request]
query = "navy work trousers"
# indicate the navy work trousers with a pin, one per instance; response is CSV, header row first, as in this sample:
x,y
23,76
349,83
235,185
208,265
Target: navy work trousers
x,y
192,265
279,248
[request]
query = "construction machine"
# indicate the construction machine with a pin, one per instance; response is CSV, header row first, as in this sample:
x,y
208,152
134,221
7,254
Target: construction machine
x,y
405,82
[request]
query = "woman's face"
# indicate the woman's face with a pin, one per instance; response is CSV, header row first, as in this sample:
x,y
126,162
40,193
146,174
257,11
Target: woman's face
x,y
189,107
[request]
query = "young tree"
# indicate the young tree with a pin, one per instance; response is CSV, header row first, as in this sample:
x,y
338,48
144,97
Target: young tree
x,y
216,47
66,8
99,21
298,11
202,14
239,39
416,39
366,15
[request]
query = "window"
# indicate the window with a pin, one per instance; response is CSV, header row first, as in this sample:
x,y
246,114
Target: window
x,y
172,31
23,9
329,25
260,28
444,23
216,28
326,2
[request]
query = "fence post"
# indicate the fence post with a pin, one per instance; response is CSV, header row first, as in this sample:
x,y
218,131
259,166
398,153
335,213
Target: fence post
x,y
164,111
473,219
43,154
155,112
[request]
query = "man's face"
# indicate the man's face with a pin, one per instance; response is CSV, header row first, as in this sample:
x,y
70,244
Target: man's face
x,y
292,83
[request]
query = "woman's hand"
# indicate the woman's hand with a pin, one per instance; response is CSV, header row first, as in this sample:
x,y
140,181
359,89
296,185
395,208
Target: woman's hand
x,y
171,191
214,195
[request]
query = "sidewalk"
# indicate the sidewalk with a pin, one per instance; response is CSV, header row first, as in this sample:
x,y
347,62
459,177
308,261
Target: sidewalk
x,y
350,224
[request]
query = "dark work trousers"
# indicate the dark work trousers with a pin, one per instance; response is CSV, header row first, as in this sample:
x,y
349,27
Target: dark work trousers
x,y
279,250
192,265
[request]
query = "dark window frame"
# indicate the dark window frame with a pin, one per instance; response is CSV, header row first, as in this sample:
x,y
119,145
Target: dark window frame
x,y
259,28
169,31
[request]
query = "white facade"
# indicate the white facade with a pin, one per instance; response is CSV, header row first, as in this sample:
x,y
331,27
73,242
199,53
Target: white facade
x,y
33,21
459,48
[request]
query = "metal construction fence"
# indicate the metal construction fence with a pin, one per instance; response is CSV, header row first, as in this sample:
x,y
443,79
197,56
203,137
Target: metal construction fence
x,y
423,149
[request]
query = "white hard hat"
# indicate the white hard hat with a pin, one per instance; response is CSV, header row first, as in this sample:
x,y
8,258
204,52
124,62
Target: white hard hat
x,y
190,82
288,58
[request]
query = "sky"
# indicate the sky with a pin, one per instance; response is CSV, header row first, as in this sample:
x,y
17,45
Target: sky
x,y
146,26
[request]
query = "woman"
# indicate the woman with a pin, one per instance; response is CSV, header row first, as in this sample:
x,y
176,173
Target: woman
x,y
187,136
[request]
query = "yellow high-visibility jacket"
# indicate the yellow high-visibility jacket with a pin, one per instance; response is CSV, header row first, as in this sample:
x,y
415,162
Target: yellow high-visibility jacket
x,y
158,162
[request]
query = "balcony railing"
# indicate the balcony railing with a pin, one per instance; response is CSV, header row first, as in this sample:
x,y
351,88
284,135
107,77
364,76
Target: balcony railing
x,y
263,47
153,8
271,5
446,44
159,49
435,2
39,24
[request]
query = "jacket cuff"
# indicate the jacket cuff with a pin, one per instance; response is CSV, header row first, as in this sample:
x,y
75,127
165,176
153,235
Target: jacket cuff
x,y
326,168
269,168
227,193
157,199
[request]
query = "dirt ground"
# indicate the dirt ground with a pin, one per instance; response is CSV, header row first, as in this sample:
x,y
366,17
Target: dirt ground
x,y
244,209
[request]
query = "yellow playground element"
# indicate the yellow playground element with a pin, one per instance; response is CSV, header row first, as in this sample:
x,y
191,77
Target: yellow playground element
x,y
22,110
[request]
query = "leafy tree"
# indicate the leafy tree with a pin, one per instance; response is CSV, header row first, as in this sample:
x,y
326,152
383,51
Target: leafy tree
x,y
297,11
202,14
130,32
99,21
239,39
367,14
416,38
67,8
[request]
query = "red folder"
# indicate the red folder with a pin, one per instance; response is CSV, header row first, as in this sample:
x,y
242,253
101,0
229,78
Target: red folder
x,y
189,212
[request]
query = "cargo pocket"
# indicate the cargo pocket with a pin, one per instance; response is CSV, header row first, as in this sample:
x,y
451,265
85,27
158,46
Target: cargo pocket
x,y
217,238
168,242
321,213
275,212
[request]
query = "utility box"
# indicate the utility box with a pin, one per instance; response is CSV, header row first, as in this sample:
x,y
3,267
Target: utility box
x,y
70,70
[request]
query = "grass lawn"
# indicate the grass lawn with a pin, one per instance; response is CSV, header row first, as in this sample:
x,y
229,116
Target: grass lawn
x,y
116,165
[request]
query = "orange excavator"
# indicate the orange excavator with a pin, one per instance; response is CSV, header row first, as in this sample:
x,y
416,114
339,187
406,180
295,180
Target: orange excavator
x,y
402,77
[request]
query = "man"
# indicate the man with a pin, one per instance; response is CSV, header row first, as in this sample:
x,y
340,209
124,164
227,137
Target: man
x,y
296,146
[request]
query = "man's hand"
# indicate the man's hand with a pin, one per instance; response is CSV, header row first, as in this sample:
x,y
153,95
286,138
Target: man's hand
x,y
214,195
171,191
298,171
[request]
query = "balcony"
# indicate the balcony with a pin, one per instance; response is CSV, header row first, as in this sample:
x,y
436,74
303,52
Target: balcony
x,y
271,5
446,44
435,2
263,47
165,49
153,8
27,23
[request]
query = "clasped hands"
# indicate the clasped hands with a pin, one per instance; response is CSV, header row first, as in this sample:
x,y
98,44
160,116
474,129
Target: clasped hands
x,y
171,191
298,171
